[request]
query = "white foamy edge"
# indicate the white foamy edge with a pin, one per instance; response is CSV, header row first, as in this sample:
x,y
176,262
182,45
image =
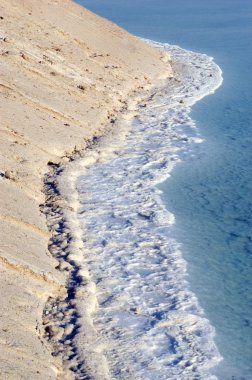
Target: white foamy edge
x,y
167,99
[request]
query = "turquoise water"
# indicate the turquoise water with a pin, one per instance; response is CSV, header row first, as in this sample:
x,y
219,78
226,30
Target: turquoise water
x,y
210,192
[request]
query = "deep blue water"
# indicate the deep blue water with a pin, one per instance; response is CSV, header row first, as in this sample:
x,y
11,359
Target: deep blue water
x,y
210,193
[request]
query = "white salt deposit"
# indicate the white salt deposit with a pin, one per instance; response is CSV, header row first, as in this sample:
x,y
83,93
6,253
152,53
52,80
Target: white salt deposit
x,y
149,323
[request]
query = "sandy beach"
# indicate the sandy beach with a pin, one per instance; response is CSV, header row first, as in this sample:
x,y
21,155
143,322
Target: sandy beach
x,y
66,77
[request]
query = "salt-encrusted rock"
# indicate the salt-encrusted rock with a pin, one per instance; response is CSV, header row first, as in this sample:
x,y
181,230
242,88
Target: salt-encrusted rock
x,y
69,329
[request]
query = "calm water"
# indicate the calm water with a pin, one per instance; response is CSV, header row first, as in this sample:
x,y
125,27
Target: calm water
x,y
210,193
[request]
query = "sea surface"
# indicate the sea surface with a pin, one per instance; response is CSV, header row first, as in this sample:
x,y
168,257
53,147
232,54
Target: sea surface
x,y
208,191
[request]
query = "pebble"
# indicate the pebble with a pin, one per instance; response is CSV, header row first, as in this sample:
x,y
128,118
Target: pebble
x,y
10,174
65,266
64,244
136,310
69,329
67,342
51,330
59,334
46,320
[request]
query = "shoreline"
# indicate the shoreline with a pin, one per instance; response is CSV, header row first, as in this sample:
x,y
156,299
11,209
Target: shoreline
x,y
50,96
185,101
49,281
61,315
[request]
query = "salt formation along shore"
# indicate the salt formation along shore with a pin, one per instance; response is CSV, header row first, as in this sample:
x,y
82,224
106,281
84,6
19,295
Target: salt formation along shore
x,y
146,322
66,76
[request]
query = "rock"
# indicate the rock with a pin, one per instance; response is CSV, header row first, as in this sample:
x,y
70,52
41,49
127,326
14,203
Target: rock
x,y
69,329
51,331
135,310
59,334
67,313
65,266
10,174
67,342
24,56
46,320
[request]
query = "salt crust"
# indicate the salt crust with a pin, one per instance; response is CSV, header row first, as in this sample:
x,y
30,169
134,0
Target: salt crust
x,y
140,319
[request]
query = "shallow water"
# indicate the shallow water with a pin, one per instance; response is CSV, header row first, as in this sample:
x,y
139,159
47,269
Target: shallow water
x,y
210,193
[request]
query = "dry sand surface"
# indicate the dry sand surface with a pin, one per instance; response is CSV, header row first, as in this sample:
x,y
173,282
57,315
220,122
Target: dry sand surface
x,y
66,74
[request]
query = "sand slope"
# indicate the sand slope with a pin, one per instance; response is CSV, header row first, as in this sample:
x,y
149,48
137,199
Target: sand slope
x,y
65,75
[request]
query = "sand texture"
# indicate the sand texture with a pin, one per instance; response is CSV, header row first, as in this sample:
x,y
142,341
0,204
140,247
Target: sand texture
x,y
66,74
